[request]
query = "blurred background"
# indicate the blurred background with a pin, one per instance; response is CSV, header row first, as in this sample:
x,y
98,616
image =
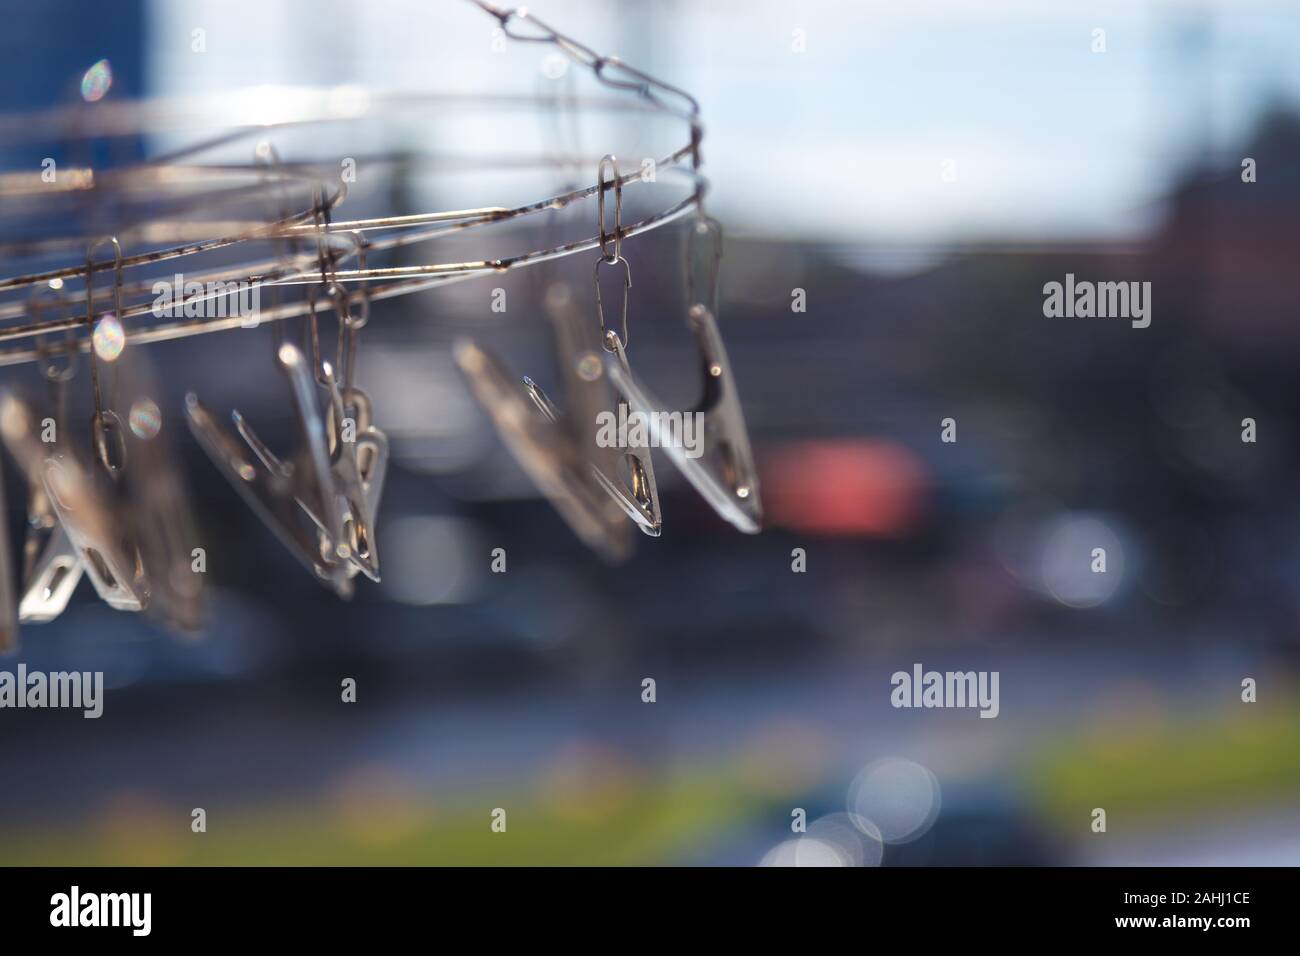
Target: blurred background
x,y
920,170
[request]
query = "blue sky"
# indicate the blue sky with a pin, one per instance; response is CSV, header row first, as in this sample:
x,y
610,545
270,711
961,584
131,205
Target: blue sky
x,y
849,140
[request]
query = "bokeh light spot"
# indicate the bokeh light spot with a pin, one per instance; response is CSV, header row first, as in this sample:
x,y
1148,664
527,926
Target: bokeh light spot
x,y
894,798
109,338
96,81
145,418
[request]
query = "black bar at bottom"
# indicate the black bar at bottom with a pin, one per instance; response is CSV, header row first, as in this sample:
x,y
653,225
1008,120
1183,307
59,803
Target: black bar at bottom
x,y
334,905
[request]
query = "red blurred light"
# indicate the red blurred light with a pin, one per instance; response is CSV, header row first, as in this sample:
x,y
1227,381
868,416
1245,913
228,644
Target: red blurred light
x,y
867,487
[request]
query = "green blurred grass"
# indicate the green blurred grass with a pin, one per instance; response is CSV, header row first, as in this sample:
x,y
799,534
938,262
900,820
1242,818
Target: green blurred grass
x,y
646,824
1147,769
1167,770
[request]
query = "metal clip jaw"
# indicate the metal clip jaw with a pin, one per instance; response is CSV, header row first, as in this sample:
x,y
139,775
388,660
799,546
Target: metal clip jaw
x,y
351,496
626,475
281,493
51,566
360,472
96,532
638,495
72,526
547,453
725,474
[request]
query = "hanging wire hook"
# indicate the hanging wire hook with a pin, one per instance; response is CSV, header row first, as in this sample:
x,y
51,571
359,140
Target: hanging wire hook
x,y
325,257
352,322
608,258
612,163
606,332
50,370
104,423
341,303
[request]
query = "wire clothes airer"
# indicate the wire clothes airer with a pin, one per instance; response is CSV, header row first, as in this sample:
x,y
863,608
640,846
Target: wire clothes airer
x,y
97,514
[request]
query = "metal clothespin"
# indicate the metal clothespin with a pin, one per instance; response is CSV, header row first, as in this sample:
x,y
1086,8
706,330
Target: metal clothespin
x,y
359,460
336,476
128,528
151,493
281,492
638,496
96,528
97,533
560,452
587,395
85,514
51,566
547,451
358,450
724,474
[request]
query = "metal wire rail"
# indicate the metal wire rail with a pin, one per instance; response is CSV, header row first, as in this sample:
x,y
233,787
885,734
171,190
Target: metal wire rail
x,y
128,530
343,239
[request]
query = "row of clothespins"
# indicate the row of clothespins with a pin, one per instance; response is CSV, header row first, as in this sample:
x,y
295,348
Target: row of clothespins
x,y
123,519
597,486
124,522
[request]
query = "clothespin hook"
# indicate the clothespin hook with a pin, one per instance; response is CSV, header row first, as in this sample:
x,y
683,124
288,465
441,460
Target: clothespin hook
x,y
605,237
351,322
358,321
607,333
321,220
320,214
51,371
104,423
614,258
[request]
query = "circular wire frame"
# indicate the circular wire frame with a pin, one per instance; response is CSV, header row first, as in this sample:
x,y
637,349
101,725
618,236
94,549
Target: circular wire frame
x,y
343,239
